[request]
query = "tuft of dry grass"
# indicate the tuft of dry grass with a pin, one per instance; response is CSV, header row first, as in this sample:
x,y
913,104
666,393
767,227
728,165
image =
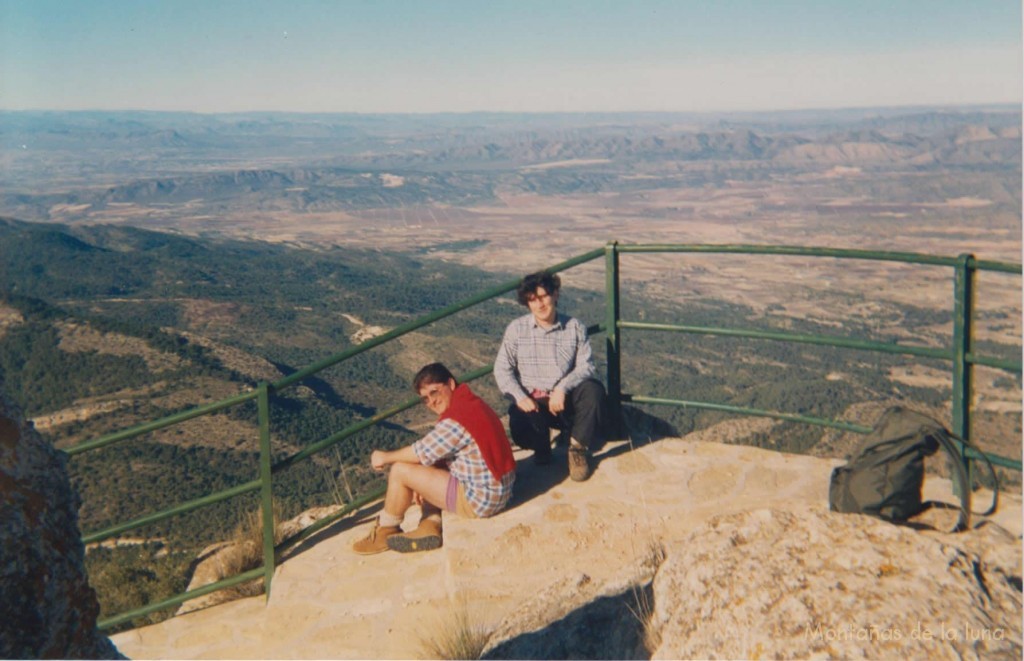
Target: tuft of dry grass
x,y
339,480
246,552
455,637
642,607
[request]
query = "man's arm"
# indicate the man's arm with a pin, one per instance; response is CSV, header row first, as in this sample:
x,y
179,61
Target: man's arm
x,y
583,367
505,367
379,459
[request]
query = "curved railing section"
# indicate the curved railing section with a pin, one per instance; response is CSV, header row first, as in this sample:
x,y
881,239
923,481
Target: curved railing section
x,y
958,353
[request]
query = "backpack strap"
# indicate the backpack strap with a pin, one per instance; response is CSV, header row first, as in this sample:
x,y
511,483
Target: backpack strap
x,y
958,473
962,445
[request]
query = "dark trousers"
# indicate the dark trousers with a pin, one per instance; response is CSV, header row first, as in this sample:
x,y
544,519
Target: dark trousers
x,y
583,418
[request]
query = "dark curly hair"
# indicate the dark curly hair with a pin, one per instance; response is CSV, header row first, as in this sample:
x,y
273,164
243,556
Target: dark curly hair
x,y
549,281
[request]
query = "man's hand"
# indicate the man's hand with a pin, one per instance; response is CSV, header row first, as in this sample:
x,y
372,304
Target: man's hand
x,y
378,460
527,405
557,402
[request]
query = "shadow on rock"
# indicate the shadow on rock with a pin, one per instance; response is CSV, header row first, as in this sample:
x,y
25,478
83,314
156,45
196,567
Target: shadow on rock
x,y
641,428
532,479
609,627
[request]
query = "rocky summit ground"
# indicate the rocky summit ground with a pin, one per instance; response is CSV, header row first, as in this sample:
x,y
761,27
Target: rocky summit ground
x,y
720,550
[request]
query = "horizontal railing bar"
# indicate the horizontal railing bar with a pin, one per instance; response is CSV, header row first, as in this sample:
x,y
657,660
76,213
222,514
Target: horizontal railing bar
x,y
210,499
990,265
161,423
989,361
821,422
398,331
975,453
971,452
817,251
850,343
179,599
927,352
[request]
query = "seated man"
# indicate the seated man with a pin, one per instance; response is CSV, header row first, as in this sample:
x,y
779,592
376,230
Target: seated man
x,y
464,465
546,368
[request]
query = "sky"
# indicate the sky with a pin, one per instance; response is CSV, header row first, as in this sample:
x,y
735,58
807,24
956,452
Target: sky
x,y
506,55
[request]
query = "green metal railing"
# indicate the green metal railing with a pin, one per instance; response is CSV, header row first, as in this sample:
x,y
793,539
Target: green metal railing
x,y
959,354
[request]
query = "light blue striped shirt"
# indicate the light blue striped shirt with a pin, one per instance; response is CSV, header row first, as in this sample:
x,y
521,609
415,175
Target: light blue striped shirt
x,y
536,358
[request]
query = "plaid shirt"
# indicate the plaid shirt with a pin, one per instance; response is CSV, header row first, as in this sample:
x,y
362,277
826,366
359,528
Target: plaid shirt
x,y
449,440
535,358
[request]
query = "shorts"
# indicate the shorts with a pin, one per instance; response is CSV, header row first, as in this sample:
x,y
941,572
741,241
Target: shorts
x,y
455,499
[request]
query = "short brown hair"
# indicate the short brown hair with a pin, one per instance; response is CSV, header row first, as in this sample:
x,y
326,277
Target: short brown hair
x,y
530,283
432,373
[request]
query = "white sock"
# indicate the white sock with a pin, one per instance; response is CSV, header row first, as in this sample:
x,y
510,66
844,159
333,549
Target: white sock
x,y
386,520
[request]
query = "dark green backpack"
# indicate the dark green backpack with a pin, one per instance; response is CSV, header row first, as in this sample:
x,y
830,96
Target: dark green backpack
x,y
885,474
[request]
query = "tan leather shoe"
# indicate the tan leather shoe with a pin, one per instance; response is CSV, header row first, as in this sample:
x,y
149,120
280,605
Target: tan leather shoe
x,y
376,541
426,537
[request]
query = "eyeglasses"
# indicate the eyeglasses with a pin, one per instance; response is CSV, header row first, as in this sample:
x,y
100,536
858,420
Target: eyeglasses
x,y
537,297
432,393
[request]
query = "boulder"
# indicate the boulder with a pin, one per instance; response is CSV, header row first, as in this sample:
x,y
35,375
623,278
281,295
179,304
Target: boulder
x,y
813,584
48,609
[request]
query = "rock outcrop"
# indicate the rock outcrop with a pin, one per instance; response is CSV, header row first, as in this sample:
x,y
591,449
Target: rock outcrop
x,y
813,584
48,609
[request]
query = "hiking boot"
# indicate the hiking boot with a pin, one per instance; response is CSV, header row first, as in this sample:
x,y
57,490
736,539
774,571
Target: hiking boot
x,y
579,464
426,537
376,541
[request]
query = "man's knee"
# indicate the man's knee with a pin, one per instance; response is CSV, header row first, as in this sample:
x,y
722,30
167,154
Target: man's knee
x,y
589,413
528,429
400,472
588,395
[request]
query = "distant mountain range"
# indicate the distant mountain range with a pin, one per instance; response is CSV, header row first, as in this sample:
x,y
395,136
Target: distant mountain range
x,y
72,166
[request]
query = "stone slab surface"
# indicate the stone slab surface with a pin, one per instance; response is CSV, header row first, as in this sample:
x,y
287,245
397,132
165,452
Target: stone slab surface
x,y
327,602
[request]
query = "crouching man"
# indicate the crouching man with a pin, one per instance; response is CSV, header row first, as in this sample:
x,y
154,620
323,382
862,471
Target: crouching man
x,y
546,369
464,465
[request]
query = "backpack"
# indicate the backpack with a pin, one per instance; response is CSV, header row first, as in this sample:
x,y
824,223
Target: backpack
x,y
885,474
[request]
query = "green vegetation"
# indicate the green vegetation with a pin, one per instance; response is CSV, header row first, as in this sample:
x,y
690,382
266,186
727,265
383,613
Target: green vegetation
x,y
126,577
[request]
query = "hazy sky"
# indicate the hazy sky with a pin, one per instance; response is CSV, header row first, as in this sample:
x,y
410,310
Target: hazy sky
x,y
514,55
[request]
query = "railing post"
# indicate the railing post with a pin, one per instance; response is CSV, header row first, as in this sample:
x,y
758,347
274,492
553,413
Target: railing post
x,y
266,487
611,255
963,313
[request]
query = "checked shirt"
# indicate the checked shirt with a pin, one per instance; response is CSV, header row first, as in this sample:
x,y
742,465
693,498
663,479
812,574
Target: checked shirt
x,y
534,358
450,441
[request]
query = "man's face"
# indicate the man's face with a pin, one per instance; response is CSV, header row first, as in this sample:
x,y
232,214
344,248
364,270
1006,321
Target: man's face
x,y
438,396
542,305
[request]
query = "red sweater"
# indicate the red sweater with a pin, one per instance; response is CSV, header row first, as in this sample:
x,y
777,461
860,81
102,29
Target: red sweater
x,y
484,426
